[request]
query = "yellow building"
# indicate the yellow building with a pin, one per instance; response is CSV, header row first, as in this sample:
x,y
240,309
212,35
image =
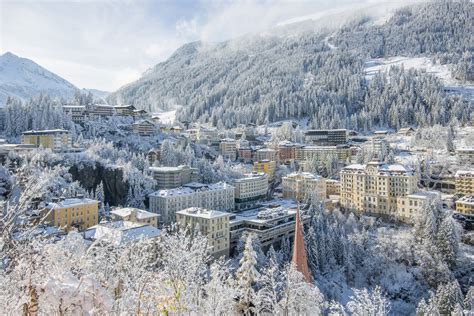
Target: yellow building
x,y
212,224
73,213
375,188
135,215
465,205
56,139
266,166
408,207
465,182
304,185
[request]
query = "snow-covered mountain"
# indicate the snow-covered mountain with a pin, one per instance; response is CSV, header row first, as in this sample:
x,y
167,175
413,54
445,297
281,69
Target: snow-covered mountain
x,y
317,73
23,78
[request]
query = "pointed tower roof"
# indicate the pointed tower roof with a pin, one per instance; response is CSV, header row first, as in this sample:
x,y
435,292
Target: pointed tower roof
x,y
299,253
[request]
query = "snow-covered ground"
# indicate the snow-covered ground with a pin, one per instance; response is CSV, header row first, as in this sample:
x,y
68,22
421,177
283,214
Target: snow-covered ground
x,y
167,117
443,72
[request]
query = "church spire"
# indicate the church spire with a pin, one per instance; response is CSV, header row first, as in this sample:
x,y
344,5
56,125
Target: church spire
x,y
299,253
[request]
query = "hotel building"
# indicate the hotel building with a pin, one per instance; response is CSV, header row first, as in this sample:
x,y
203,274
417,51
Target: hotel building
x,y
217,196
303,186
212,224
173,177
374,188
76,213
55,139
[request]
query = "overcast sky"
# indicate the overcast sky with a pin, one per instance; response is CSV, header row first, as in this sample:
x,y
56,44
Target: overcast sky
x,y
105,44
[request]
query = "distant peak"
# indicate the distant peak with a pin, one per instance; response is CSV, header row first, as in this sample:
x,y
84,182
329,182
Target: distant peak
x,y
9,55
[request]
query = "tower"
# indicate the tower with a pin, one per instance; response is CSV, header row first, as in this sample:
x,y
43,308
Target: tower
x,y
299,253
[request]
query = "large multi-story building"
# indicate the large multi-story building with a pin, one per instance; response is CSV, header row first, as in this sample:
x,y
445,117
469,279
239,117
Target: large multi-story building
x,y
266,166
249,189
173,177
287,151
208,136
374,188
378,147
228,149
135,215
465,205
78,113
217,196
303,186
466,154
326,137
98,110
266,154
212,224
270,224
321,153
411,205
465,182
333,187
76,213
144,128
55,139
244,152
124,110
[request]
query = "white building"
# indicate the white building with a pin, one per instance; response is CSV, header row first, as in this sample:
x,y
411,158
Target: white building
x,y
173,177
252,187
410,206
217,196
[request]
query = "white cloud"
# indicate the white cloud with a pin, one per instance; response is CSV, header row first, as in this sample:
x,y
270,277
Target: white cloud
x,y
104,44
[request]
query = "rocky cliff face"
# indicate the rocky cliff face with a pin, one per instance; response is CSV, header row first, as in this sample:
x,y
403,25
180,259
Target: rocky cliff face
x,y
90,176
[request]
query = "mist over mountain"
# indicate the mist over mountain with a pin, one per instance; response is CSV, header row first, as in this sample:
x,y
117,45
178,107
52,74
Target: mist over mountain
x,y
318,74
23,78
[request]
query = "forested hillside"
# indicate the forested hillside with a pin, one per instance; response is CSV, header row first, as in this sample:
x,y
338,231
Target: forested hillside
x,y
262,79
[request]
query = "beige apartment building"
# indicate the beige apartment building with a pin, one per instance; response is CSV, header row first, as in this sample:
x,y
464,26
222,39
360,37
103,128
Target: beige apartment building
x,y
144,128
212,224
69,214
374,188
410,206
303,186
135,215
228,149
333,187
173,177
465,205
464,180
54,139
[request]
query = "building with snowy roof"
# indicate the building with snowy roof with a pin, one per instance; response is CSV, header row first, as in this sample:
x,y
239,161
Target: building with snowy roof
x,y
55,139
69,214
135,215
303,186
464,180
465,205
249,189
271,224
375,187
210,223
411,205
217,196
173,177
121,232
326,137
